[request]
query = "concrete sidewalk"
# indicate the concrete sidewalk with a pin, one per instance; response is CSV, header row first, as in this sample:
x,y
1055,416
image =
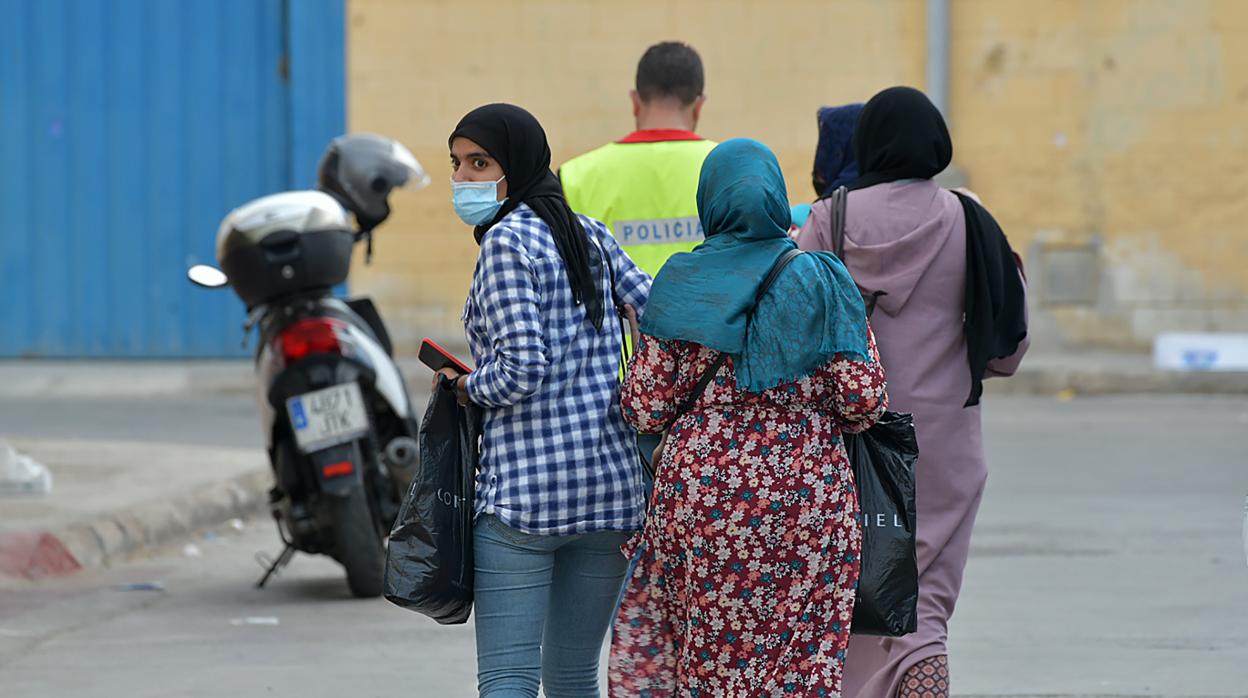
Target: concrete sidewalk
x,y
102,379
1110,373
1042,373
48,378
113,499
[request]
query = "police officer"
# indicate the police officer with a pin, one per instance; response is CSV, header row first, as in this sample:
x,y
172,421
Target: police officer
x,y
644,186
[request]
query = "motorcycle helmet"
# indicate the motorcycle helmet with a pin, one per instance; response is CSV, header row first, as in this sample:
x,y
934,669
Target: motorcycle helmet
x,y
360,170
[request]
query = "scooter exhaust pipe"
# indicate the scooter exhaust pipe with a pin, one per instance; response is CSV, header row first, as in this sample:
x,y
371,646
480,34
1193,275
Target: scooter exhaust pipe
x,y
402,452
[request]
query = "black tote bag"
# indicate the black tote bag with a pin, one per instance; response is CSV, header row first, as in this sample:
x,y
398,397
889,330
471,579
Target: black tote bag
x,y
429,563
883,459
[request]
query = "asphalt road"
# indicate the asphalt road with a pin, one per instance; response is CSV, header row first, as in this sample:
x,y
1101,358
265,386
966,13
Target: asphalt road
x,y
1108,561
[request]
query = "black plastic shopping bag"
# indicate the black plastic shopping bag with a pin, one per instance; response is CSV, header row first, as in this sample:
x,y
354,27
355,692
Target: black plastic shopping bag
x,y
429,561
883,459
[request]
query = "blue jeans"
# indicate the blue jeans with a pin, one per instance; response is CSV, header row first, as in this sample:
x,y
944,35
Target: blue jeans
x,y
543,606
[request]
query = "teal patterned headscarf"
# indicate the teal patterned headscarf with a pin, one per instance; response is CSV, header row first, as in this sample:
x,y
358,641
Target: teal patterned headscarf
x,y
812,312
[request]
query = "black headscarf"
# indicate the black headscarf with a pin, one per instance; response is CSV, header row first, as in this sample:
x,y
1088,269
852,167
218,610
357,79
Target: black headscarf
x,y
901,135
996,305
514,138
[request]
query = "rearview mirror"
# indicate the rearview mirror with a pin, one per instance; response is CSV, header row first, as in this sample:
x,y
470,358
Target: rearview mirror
x,y
207,277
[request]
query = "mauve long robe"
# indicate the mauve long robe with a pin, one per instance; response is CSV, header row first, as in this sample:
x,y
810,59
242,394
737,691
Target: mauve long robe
x,y
909,239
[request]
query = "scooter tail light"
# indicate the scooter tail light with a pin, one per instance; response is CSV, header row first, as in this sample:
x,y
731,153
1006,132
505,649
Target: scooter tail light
x,y
345,467
311,336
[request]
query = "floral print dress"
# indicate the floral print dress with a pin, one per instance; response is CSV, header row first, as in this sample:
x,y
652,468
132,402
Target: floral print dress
x,y
745,585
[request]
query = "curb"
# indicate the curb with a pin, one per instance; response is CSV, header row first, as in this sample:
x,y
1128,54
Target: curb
x,y
106,539
1082,381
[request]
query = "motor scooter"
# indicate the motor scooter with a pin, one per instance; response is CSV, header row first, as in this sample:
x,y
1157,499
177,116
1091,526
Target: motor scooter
x,y
337,419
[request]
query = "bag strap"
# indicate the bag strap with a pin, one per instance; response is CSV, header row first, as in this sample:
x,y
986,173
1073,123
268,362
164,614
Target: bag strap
x,y
625,353
705,380
692,398
838,221
840,198
773,274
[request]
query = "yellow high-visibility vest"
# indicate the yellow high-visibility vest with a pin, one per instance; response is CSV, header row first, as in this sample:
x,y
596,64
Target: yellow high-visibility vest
x,y
644,188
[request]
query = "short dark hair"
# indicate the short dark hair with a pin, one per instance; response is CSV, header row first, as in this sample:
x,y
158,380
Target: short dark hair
x,y
670,69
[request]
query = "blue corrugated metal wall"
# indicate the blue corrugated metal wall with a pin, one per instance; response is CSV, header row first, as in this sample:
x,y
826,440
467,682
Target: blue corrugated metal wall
x,y
128,129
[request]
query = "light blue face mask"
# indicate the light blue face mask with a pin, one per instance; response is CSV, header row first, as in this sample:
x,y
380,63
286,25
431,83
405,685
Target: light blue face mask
x,y
476,203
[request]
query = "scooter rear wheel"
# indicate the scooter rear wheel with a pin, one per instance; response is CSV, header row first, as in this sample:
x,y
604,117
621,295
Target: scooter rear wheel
x,y
359,546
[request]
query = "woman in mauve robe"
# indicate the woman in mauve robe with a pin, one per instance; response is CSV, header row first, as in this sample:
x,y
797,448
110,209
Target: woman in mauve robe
x,y
908,238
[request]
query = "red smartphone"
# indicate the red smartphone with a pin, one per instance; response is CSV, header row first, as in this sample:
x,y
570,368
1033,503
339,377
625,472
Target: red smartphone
x,y
437,358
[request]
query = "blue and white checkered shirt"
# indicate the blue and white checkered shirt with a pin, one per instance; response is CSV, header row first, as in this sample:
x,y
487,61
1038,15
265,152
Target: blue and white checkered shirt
x,y
556,457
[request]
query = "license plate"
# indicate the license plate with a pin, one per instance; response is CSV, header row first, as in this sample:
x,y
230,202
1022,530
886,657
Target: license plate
x,y
327,417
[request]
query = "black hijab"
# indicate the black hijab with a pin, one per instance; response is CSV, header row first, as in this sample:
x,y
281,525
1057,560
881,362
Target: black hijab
x,y
901,135
513,136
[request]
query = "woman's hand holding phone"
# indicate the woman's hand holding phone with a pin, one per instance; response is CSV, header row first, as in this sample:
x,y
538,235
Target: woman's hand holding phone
x,y
445,364
460,381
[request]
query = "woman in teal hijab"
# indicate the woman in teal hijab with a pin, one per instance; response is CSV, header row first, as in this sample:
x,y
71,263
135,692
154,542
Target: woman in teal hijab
x,y
749,558
707,295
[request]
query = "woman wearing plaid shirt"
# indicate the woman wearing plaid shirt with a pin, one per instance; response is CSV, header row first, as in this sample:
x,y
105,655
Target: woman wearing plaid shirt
x,y
559,486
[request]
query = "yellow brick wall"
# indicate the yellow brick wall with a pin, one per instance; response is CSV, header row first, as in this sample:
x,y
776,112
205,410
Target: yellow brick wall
x,y
1119,124
1115,126
416,66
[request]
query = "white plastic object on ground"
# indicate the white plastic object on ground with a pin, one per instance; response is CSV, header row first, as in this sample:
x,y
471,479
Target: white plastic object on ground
x,y
256,620
20,475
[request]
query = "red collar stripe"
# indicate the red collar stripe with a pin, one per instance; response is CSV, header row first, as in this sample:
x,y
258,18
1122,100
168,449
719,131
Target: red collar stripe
x,y
660,135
